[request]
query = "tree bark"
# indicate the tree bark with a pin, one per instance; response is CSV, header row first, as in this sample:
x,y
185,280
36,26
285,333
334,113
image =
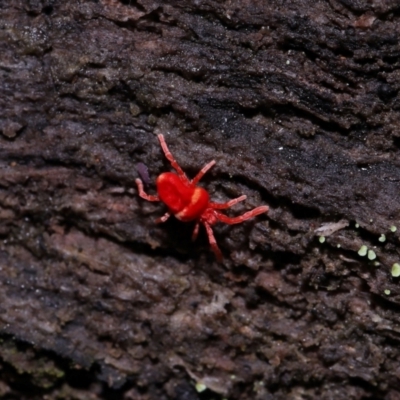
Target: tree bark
x,y
297,101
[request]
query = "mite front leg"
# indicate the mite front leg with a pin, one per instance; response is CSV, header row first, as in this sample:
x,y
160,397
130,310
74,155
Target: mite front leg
x,y
143,194
201,173
171,159
228,204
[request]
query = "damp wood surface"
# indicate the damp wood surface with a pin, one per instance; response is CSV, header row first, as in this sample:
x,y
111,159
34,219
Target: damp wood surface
x,y
297,101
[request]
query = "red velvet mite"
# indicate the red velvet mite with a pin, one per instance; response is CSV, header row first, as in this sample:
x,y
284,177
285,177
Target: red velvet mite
x,y
189,202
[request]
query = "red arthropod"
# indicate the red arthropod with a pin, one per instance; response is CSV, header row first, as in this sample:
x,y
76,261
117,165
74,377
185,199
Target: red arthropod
x,y
188,202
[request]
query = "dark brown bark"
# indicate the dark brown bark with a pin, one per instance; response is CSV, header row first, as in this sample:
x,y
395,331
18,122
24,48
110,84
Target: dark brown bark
x,y
297,101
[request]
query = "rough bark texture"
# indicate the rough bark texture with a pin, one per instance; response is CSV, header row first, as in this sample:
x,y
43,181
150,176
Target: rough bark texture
x,y
297,101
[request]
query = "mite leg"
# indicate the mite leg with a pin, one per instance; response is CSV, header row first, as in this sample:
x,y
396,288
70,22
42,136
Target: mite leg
x,y
171,159
241,218
143,194
201,173
230,203
163,218
195,232
213,242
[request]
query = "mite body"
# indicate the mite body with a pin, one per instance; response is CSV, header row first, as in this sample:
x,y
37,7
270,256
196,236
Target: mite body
x,y
189,202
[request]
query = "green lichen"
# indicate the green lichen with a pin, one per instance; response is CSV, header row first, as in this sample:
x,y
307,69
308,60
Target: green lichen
x,y
200,387
393,228
321,239
371,255
387,292
396,270
41,370
363,250
382,238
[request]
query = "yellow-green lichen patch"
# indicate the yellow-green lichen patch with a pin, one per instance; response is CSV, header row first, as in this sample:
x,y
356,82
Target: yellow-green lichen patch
x,y
321,239
41,370
393,228
396,270
371,255
387,292
382,238
363,250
